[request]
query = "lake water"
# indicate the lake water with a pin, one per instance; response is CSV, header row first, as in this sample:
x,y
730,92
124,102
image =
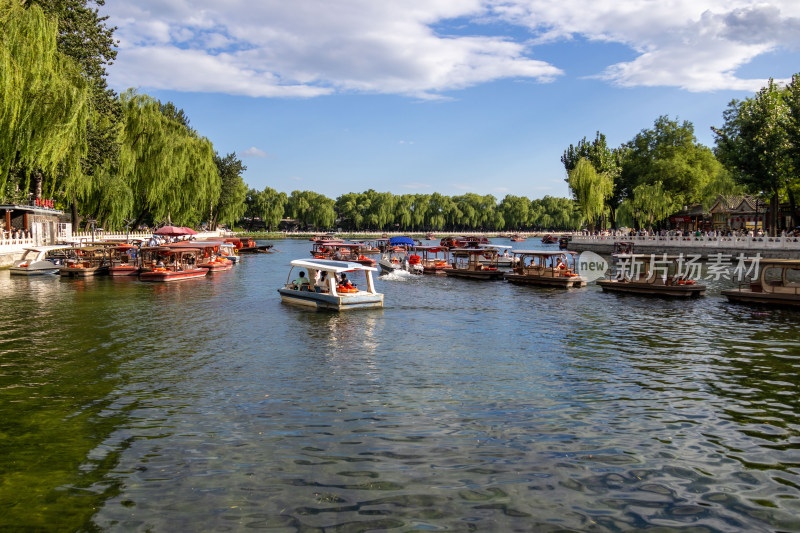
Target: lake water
x,y
209,405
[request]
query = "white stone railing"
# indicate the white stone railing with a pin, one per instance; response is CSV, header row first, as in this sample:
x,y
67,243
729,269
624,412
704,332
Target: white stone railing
x,y
691,241
8,244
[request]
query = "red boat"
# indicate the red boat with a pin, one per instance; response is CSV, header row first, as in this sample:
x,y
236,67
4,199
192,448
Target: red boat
x,y
463,242
163,263
209,257
124,260
247,245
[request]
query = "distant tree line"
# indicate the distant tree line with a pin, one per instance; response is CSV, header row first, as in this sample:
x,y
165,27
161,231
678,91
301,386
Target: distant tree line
x,y
384,211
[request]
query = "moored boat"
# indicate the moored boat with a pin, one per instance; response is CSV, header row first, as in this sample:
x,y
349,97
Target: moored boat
x,y
209,257
468,263
651,275
331,293
549,269
170,263
549,239
86,261
777,284
123,260
34,261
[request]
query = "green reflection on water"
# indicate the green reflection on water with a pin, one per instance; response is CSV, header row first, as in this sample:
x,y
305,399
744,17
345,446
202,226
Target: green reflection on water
x,y
56,409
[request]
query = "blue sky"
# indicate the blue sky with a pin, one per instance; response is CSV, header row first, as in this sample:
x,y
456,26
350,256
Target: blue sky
x,y
448,96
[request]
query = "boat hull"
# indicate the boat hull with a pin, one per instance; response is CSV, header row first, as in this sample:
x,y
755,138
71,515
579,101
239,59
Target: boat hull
x,y
482,275
649,289
170,276
123,270
761,298
564,282
24,271
81,272
341,302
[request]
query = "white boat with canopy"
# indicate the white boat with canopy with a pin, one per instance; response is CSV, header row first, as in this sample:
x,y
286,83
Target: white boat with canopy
x,y
325,288
34,261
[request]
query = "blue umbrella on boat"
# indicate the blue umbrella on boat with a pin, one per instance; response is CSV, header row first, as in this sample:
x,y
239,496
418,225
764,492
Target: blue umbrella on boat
x,y
401,241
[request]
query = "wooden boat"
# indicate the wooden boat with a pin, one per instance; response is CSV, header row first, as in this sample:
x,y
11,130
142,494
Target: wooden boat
x,y
549,239
778,284
503,260
341,251
518,238
36,261
623,248
430,237
548,269
467,263
170,263
86,261
332,296
463,242
433,259
651,275
209,258
123,259
248,245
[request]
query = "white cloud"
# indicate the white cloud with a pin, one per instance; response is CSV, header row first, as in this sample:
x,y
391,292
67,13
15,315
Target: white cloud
x,y
694,44
308,48
255,152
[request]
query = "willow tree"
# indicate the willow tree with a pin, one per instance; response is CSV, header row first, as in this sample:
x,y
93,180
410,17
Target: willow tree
x,y
516,211
591,190
169,168
45,101
270,205
230,204
651,204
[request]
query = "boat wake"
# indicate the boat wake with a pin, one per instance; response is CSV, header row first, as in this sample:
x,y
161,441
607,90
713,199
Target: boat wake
x,y
398,275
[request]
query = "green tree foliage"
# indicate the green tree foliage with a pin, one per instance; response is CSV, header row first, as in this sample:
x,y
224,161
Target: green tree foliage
x,y
516,212
270,205
231,203
602,158
552,213
668,153
312,209
591,190
651,204
45,102
84,36
169,168
754,143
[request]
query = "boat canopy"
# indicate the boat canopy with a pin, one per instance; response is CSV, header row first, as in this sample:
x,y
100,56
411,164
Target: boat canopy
x,y
327,265
401,241
543,253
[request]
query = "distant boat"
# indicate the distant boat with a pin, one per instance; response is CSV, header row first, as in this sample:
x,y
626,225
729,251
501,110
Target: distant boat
x,y
549,239
517,238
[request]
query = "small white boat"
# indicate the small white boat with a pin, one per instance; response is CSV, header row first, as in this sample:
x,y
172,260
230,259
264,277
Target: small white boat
x,y
34,262
332,295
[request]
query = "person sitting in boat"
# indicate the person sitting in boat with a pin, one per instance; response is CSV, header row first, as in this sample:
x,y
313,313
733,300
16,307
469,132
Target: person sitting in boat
x,y
560,264
344,282
301,282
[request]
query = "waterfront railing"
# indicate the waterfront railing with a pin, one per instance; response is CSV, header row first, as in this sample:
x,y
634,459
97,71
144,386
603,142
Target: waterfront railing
x,y
691,241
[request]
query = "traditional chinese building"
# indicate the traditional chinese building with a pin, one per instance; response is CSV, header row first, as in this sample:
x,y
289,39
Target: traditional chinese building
x,y
737,212
690,218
